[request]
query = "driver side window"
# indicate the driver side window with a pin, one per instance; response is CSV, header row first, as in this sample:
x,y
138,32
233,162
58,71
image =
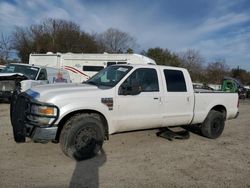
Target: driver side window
x,y
145,78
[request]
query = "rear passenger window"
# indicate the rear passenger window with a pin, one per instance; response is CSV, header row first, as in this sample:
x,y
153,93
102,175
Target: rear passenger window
x,y
175,81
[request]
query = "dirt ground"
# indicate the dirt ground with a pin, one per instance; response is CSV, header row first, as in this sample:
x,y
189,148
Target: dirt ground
x,y
135,159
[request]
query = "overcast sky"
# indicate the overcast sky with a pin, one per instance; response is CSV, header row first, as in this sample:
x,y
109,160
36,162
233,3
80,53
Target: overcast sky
x,y
218,29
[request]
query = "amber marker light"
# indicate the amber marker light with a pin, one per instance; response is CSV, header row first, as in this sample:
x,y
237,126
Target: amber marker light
x,y
46,110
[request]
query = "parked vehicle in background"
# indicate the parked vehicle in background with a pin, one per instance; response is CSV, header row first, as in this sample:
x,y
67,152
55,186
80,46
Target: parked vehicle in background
x,y
83,66
232,85
202,86
248,91
119,98
1,67
24,76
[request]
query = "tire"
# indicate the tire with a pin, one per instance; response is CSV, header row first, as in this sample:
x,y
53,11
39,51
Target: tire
x,y
82,136
213,125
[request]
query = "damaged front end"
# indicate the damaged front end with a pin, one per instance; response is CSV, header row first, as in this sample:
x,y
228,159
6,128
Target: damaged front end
x,y
8,84
33,119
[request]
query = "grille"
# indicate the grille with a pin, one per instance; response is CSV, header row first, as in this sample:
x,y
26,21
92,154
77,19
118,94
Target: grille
x,y
19,105
7,85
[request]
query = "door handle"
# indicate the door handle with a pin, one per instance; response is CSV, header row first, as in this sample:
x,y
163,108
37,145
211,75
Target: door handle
x,y
158,98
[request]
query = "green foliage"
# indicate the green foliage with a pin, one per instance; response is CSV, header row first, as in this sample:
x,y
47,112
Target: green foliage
x,y
130,51
163,57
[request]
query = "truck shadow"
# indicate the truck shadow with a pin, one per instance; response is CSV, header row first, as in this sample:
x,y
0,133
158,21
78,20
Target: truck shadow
x,y
193,128
183,133
86,173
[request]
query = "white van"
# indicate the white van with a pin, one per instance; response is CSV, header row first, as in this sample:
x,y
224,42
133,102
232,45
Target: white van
x,y
83,66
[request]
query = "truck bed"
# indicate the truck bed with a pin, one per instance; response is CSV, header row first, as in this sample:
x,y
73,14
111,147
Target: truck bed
x,y
205,100
208,91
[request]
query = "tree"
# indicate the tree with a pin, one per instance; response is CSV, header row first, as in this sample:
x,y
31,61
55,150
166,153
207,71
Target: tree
x,y
53,35
216,71
163,56
241,75
130,51
22,42
193,62
116,41
5,49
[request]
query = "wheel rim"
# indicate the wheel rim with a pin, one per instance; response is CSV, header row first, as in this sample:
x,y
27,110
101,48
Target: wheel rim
x,y
216,126
85,139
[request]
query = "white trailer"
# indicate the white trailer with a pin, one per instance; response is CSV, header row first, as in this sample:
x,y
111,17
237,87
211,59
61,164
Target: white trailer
x,y
83,66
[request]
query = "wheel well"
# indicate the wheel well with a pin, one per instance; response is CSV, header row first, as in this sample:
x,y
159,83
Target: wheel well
x,y
221,109
68,116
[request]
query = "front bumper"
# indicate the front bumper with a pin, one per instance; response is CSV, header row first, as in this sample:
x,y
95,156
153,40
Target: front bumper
x,y
41,134
23,127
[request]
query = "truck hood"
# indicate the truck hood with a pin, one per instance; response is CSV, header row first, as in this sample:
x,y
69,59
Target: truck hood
x,y
52,92
12,76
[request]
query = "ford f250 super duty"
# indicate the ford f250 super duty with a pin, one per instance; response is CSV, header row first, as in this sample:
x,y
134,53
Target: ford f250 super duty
x,y
117,99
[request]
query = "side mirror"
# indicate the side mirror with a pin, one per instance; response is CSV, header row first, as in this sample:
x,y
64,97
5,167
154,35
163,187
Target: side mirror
x,y
130,89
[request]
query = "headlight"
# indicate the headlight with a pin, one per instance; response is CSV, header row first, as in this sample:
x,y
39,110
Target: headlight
x,y
43,115
43,110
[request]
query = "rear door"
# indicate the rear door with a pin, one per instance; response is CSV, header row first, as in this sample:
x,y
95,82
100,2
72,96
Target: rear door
x,y
178,98
143,110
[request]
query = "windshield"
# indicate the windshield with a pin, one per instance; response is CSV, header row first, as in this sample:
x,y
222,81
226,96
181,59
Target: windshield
x,y
109,76
28,71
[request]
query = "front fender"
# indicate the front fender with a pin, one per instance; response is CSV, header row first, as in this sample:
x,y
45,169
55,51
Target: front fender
x,y
76,107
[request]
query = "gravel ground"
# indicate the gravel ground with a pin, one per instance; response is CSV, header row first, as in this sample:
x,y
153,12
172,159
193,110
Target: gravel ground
x,y
134,159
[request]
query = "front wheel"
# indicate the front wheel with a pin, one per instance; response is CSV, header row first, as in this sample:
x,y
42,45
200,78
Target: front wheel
x,y
82,136
213,125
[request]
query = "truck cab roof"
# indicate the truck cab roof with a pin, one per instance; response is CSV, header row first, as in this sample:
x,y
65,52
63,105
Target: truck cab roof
x,y
152,66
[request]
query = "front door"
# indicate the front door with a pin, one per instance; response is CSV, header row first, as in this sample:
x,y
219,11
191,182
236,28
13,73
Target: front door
x,y
143,110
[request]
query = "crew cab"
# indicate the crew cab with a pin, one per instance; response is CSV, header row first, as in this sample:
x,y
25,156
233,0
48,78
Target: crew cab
x,y
24,76
119,98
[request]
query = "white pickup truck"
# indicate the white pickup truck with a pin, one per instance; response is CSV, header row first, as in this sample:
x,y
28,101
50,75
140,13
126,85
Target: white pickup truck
x,y
119,98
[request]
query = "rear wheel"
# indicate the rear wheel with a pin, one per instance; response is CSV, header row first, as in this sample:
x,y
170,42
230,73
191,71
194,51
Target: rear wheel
x,y
213,125
82,136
